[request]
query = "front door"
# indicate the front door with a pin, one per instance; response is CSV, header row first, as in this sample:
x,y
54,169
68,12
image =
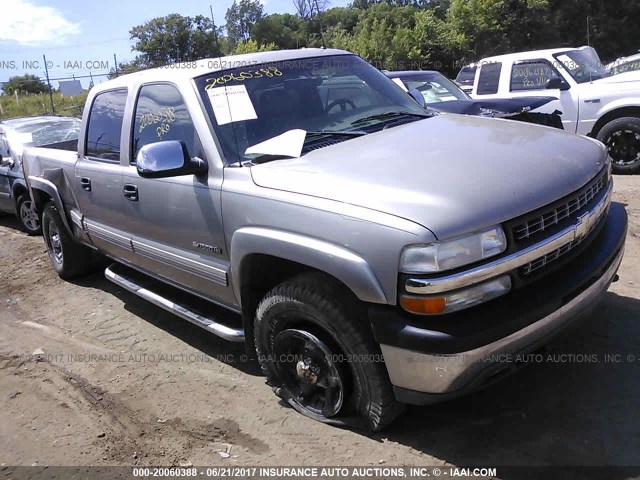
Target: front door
x,y
176,225
529,79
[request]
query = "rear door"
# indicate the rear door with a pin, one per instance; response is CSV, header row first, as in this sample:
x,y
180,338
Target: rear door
x,y
176,222
98,174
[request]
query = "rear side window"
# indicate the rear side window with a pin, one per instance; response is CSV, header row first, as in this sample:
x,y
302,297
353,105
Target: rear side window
x,y
531,75
489,78
105,125
161,115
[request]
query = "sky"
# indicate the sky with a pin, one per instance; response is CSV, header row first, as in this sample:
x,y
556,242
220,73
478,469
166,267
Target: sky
x,y
78,41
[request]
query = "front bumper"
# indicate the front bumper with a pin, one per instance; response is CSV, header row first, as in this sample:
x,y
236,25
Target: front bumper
x,y
430,359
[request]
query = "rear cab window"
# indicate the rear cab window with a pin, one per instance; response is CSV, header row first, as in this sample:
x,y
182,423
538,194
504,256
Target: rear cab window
x,y
104,128
161,115
531,75
489,78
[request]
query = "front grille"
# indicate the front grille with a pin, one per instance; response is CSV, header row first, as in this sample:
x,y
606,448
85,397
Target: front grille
x,y
577,203
550,257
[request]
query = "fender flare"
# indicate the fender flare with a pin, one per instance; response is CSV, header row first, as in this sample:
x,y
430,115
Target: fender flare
x,y
38,184
337,261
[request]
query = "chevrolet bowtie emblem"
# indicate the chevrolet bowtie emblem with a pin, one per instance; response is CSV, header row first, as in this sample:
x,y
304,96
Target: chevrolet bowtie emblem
x,y
583,226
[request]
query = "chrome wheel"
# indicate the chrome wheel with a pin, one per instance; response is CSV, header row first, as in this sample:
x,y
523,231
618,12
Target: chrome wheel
x,y
29,216
55,246
310,371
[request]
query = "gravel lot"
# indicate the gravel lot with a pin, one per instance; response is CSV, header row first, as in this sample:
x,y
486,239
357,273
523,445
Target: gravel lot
x,y
124,383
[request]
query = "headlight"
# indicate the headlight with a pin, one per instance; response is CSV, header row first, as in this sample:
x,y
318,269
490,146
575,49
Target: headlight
x,y
458,300
440,256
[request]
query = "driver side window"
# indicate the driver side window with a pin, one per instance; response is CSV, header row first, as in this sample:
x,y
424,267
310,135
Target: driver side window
x,y
161,115
531,75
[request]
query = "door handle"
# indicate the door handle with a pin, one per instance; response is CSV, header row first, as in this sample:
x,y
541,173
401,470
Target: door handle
x,y
85,183
131,192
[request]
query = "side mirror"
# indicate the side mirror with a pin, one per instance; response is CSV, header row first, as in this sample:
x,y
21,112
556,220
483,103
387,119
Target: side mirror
x,y
6,162
167,159
417,96
557,83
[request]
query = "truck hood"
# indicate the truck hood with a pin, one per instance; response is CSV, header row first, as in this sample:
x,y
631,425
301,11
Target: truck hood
x,y
453,174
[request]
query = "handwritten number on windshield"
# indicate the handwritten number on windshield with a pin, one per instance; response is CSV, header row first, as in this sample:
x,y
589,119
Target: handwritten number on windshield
x,y
268,72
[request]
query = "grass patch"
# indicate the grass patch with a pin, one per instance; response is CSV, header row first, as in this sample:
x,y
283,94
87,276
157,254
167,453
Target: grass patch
x,y
40,104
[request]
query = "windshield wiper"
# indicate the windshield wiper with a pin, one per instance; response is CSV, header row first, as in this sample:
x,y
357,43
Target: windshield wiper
x,y
389,115
349,133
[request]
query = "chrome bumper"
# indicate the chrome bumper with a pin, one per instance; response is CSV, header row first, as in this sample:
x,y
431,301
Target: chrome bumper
x,y
446,374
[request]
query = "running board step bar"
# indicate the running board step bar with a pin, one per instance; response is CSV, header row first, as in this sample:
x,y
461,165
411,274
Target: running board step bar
x,y
210,324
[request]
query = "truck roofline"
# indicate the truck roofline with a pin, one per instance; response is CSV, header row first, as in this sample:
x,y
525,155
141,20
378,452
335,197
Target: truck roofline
x,y
184,71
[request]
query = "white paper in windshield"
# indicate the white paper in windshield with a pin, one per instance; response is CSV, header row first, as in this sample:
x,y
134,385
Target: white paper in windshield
x,y
398,82
231,104
288,144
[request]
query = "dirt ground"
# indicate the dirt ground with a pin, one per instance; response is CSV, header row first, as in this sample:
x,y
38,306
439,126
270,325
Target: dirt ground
x,y
121,382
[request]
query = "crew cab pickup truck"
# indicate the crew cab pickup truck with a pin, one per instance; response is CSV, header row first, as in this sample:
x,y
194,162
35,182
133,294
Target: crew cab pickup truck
x,y
370,254
593,100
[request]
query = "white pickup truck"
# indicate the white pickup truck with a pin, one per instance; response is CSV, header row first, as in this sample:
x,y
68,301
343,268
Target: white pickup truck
x,y
593,102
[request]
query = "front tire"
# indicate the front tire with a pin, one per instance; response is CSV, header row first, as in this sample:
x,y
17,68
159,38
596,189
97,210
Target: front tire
x,y
68,258
28,215
622,138
318,352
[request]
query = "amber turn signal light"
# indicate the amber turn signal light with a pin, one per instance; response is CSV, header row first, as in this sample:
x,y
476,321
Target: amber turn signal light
x,y
424,306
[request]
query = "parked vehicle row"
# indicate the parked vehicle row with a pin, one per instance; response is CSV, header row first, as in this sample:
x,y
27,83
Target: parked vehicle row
x,y
434,91
625,64
16,135
594,101
368,252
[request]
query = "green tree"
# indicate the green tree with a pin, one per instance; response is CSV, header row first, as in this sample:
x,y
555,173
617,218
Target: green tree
x,y
251,46
241,16
283,30
399,38
174,38
24,84
611,25
501,26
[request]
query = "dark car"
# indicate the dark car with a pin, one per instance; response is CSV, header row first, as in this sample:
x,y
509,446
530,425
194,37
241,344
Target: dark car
x,y
436,92
16,135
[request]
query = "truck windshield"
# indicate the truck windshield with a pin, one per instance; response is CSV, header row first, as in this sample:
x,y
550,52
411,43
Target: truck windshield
x,y
583,64
339,96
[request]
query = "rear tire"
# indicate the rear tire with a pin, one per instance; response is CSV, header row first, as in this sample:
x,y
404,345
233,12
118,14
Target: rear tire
x,y
622,139
68,258
317,350
28,215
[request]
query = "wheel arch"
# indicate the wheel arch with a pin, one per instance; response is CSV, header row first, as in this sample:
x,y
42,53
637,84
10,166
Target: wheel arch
x,y
263,258
619,112
43,191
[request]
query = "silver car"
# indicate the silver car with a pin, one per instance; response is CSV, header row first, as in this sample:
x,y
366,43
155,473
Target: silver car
x,y
16,135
